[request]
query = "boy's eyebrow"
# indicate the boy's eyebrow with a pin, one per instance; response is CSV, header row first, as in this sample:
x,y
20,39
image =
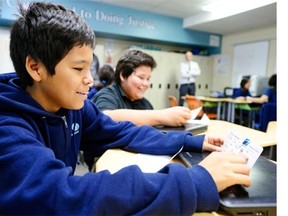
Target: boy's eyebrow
x,y
80,61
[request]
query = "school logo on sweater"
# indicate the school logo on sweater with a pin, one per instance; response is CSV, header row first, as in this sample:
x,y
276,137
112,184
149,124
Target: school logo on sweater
x,y
75,129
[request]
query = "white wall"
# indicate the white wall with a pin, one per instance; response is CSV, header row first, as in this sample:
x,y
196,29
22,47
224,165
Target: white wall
x,y
6,63
228,43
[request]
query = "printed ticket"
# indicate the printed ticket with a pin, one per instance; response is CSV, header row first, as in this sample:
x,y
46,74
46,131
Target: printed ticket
x,y
235,143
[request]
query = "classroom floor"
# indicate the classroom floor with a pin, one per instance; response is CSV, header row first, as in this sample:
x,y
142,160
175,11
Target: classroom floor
x,y
81,169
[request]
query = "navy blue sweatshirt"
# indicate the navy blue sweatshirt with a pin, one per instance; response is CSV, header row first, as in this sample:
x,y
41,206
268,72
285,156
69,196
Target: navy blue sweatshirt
x,y
38,155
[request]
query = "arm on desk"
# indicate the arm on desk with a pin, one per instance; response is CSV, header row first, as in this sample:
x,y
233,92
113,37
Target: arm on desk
x,y
174,190
173,116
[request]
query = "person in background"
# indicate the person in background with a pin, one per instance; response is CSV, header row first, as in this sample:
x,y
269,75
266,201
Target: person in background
x,y
124,100
45,119
94,68
269,94
242,92
106,76
189,71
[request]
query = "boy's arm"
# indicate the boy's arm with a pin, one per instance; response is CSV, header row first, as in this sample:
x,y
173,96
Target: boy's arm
x,y
174,116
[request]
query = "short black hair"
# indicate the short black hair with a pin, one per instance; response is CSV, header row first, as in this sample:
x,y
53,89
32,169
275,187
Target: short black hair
x,y
46,32
244,81
106,75
131,60
273,81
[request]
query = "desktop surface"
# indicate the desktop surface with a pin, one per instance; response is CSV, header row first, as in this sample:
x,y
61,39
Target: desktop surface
x,y
258,199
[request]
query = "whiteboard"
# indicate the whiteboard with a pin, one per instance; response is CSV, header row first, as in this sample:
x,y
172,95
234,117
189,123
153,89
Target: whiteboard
x,y
249,59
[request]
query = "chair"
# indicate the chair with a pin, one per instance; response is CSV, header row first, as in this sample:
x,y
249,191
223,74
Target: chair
x,y
268,112
228,92
194,103
173,101
271,151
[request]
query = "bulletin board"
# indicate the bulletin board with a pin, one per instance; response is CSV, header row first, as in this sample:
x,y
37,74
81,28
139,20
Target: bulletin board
x,y
250,59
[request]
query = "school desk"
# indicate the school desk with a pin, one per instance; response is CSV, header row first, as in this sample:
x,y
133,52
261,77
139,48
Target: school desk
x,y
115,159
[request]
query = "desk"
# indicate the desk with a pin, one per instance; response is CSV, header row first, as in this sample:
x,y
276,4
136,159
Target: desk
x,y
221,103
221,128
116,159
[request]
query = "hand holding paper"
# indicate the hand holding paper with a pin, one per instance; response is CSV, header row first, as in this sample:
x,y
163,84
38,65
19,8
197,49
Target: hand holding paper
x,y
237,144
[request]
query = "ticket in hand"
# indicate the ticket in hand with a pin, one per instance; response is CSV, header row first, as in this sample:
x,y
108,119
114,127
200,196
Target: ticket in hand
x,y
237,144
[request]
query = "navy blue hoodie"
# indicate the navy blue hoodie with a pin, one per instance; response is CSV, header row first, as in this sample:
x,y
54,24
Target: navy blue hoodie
x,y
38,155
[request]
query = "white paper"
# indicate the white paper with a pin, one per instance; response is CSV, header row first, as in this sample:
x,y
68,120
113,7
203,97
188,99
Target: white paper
x,y
235,143
204,120
194,113
153,163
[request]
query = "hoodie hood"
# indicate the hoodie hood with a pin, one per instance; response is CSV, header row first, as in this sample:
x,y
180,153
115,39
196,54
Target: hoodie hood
x,y
13,97
46,126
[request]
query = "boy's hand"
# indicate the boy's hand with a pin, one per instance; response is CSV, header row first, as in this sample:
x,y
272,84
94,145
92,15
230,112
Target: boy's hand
x,y
227,169
212,143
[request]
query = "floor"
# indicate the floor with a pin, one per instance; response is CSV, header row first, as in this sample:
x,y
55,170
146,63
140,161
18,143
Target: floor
x,y
81,169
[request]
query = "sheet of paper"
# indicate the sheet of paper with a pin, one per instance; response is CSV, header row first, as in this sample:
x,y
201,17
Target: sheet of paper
x,y
234,142
204,120
153,163
194,113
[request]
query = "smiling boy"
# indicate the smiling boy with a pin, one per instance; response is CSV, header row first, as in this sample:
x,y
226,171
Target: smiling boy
x,y
45,119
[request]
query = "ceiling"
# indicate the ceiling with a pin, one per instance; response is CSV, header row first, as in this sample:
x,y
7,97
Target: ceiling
x,y
196,19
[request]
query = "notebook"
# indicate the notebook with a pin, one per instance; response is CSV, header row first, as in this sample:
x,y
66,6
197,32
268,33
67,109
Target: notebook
x,y
258,199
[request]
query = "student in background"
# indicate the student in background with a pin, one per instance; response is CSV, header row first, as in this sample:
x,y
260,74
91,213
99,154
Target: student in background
x,y
106,76
269,94
45,118
124,100
242,92
94,68
189,71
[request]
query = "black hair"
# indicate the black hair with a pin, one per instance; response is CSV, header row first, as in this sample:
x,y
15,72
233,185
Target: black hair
x,y
106,76
46,32
244,81
273,81
131,60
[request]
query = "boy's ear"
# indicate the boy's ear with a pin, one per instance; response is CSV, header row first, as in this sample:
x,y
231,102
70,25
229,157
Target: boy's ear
x,y
34,68
121,76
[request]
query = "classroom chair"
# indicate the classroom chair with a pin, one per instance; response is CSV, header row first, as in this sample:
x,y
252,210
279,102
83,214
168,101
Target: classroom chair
x,y
267,113
194,103
172,100
228,92
271,151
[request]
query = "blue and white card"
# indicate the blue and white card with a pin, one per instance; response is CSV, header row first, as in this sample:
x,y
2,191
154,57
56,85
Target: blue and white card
x,y
235,143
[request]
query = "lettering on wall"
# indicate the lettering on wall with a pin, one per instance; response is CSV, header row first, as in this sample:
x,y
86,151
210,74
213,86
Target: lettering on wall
x,y
114,19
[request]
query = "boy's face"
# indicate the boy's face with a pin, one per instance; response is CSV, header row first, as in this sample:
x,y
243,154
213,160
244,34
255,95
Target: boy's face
x,y
69,86
137,83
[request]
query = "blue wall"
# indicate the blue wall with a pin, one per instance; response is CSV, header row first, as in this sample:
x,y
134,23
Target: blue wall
x,y
124,23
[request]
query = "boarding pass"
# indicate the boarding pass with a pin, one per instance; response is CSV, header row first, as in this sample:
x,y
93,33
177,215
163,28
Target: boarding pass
x,y
235,143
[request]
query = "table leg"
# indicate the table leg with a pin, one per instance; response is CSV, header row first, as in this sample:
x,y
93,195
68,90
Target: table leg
x,y
218,110
232,112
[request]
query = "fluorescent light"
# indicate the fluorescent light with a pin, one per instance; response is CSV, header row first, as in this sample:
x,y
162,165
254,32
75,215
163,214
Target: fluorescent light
x,y
233,7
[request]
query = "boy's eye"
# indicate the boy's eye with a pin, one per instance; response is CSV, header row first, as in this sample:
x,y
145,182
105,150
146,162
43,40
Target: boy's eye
x,y
78,69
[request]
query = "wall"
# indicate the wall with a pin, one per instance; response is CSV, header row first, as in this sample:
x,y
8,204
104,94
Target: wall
x,y
6,63
228,42
123,22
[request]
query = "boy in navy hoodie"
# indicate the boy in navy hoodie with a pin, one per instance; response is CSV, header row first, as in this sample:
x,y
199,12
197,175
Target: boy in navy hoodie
x,y
45,119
